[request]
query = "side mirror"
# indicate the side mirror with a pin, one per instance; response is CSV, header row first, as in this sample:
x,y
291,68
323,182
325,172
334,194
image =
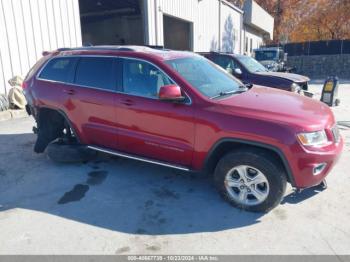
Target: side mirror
x,y
237,72
171,93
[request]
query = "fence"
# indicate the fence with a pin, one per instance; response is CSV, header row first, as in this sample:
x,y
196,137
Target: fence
x,y
330,47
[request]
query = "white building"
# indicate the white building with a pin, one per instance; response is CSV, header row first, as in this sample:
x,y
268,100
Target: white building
x,y
29,27
196,25
258,26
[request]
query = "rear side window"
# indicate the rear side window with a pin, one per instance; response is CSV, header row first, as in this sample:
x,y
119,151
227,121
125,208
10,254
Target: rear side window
x,y
58,69
96,72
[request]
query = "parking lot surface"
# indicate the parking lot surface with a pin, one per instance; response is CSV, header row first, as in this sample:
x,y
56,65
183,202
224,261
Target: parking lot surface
x,y
119,206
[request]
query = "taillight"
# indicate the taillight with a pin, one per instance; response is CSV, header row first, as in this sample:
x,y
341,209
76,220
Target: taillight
x,y
24,85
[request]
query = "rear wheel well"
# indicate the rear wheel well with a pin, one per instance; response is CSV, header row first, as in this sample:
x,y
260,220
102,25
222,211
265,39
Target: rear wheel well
x,y
47,114
51,125
228,146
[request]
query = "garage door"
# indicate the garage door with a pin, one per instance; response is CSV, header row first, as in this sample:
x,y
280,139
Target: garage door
x,y
177,33
112,22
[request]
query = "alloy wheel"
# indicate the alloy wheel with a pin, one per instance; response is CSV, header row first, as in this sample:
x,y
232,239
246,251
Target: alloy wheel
x,y
246,185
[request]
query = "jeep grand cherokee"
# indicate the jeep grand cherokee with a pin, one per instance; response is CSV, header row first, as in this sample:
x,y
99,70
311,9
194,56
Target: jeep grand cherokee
x,y
178,109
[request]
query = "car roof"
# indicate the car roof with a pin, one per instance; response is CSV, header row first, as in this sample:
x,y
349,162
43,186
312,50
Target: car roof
x,y
157,53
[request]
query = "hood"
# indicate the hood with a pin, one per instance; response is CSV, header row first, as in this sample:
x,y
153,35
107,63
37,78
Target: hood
x,y
279,106
292,77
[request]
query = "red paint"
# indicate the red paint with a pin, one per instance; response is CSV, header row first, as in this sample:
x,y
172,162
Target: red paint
x,y
169,92
184,133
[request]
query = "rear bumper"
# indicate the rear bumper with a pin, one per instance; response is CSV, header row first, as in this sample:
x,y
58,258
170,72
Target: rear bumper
x,y
305,162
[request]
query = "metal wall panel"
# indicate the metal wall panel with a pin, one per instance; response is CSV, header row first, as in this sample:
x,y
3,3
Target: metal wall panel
x,y
29,27
207,28
184,9
208,18
230,29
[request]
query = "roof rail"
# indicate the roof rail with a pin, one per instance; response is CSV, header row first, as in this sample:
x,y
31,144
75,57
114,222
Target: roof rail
x,y
127,48
64,49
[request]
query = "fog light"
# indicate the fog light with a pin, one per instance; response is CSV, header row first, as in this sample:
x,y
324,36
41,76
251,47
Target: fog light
x,y
319,168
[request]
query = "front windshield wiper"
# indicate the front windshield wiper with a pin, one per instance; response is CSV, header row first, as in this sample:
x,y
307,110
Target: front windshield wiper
x,y
241,89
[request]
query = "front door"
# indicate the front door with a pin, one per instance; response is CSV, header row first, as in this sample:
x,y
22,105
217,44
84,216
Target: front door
x,y
150,127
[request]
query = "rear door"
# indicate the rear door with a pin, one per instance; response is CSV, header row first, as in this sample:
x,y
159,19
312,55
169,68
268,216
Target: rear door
x,y
92,100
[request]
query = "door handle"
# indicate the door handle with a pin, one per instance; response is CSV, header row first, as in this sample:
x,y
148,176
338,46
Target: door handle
x,y
127,102
69,91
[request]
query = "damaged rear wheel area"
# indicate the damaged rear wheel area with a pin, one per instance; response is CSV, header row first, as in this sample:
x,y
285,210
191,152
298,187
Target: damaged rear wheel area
x,y
50,126
57,137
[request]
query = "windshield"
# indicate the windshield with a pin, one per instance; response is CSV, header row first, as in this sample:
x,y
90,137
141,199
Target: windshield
x,y
266,55
206,77
251,64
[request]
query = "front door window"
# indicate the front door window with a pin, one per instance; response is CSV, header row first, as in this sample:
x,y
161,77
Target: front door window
x,y
143,79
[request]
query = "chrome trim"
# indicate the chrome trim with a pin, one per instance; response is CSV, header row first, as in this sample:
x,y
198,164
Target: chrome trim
x,y
336,133
111,152
101,89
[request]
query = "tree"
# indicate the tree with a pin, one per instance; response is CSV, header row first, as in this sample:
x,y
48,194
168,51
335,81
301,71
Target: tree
x,y
307,20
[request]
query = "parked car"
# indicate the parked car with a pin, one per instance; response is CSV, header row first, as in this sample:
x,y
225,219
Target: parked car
x,y
179,110
273,58
250,71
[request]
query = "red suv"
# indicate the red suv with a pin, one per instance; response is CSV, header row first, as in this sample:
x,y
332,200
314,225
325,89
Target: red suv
x,y
178,109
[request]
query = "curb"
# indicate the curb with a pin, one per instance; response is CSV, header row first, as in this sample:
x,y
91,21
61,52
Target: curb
x,y
12,114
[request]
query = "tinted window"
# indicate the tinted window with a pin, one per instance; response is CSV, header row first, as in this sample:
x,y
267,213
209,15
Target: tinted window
x,y
96,72
58,69
143,79
265,55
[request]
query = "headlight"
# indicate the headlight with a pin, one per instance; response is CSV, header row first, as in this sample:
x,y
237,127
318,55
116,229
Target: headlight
x,y
295,88
318,138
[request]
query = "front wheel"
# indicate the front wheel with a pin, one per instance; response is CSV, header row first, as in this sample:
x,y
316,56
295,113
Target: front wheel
x,y
251,180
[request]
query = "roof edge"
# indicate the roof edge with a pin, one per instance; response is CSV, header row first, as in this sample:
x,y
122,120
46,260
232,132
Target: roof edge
x,y
232,6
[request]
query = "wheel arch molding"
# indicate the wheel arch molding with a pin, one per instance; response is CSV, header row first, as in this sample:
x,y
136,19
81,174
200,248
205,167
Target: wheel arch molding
x,y
225,145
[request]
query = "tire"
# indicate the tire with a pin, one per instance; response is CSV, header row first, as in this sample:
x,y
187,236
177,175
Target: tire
x,y
251,175
4,103
69,153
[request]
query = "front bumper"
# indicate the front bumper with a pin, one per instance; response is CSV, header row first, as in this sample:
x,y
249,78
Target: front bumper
x,y
305,162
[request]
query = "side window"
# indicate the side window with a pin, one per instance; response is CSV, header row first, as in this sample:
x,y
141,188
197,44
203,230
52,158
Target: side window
x,y
223,61
143,79
235,65
58,69
96,72
226,62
